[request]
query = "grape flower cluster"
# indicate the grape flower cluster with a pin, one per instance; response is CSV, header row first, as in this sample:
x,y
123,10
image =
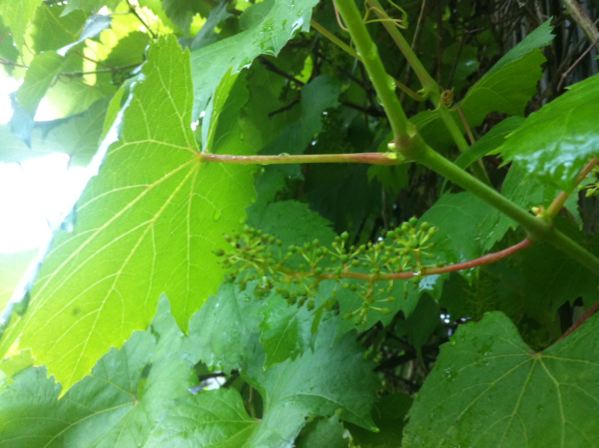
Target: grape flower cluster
x,y
295,272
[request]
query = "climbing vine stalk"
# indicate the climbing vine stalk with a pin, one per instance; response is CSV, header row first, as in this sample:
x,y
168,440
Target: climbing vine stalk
x,y
403,130
431,88
419,151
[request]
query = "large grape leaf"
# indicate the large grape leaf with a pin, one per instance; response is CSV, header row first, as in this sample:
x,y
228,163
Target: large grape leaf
x,y
331,377
149,223
145,394
17,16
489,389
557,140
510,84
118,405
269,26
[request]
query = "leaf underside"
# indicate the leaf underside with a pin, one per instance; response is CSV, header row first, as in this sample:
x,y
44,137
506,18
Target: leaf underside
x,y
147,225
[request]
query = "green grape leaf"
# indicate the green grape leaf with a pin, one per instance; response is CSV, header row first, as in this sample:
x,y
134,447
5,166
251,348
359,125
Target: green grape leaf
x,y
285,330
225,329
331,377
292,222
71,96
334,378
489,389
42,72
126,395
93,26
215,107
214,418
129,50
423,320
271,28
318,95
181,13
389,415
155,211
388,299
556,141
468,227
207,33
17,17
51,30
510,84
325,432
531,191
488,142
7,48
78,136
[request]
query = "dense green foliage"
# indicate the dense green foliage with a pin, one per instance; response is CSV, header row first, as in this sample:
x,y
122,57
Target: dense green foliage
x,y
196,298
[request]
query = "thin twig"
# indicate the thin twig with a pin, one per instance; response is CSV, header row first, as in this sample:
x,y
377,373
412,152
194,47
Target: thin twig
x,y
466,125
11,63
334,39
273,68
133,10
367,110
285,108
98,71
350,51
563,196
574,64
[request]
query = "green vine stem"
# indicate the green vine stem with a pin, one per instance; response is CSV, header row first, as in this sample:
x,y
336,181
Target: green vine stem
x,y
429,85
403,130
414,148
371,158
538,228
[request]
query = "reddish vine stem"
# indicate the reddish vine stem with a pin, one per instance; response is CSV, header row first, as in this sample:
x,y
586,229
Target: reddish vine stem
x,y
372,158
490,258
